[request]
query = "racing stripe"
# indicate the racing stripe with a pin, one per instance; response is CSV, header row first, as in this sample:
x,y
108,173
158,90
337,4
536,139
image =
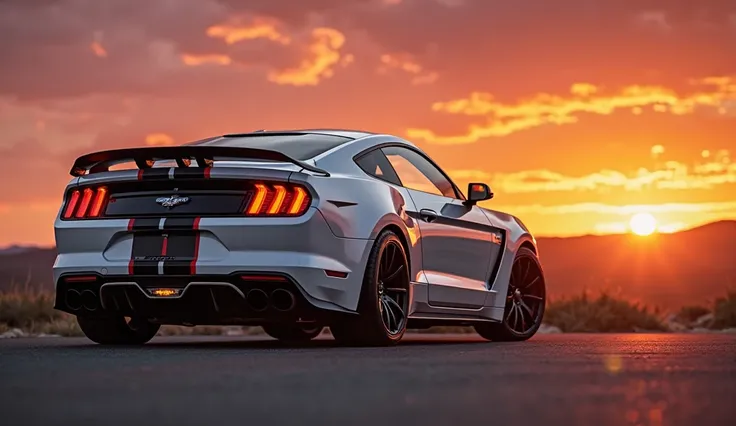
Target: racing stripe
x,y
154,173
146,246
191,173
182,247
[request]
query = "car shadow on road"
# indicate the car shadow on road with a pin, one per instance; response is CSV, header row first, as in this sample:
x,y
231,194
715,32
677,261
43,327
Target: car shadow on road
x,y
265,343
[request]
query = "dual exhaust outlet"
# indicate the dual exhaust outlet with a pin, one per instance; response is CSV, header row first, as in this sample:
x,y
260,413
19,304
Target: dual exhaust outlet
x,y
279,299
86,299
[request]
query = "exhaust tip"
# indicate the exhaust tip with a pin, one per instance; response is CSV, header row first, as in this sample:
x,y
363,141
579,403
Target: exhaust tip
x,y
73,300
257,299
90,301
283,300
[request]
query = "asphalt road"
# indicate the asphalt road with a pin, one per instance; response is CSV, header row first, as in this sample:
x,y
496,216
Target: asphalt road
x,y
591,380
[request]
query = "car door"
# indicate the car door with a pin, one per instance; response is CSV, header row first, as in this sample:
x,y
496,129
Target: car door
x,y
456,240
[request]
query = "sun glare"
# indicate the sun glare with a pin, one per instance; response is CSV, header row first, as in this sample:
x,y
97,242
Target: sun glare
x,y
643,224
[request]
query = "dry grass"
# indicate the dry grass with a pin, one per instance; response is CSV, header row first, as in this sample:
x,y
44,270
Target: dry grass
x,y
724,311
604,314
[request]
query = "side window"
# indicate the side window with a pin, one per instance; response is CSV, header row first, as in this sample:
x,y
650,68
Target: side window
x,y
416,172
376,164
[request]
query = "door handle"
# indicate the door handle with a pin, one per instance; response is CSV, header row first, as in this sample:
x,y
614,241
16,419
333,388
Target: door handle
x,y
428,215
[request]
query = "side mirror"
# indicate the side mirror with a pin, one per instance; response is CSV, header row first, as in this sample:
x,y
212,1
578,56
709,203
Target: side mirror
x,y
478,192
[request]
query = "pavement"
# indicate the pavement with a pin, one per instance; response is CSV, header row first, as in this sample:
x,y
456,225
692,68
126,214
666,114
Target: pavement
x,y
561,379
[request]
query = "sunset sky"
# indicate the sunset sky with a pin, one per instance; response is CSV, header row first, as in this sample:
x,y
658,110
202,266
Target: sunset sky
x,y
578,113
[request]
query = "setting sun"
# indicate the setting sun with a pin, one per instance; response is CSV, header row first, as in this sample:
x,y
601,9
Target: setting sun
x,y
643,224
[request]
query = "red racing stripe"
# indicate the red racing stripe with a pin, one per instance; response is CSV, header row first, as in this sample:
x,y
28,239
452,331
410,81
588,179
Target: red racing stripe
x,y
193,266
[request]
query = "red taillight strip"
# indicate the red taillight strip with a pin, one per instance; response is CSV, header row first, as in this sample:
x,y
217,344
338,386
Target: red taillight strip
x,y
257,202
296,204
71,204
86,199
100,198
279,200
89,203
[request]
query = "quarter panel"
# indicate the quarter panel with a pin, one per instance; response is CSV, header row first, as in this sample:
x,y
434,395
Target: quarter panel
x,y
360,208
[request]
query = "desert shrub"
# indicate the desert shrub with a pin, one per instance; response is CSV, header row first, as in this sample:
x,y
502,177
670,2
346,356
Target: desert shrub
x,y
602,314
724,311
22,309
689,314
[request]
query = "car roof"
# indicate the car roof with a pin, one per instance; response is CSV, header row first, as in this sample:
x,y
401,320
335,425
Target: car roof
x,y
345,133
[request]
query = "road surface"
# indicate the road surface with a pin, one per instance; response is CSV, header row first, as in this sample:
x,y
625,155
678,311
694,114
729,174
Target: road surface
x,y
590,380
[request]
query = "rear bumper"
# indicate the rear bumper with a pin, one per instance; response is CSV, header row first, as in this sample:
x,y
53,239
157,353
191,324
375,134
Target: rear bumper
x,y
301,249
239,298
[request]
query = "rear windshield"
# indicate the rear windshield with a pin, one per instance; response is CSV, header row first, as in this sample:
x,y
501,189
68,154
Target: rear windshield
x,y
297,146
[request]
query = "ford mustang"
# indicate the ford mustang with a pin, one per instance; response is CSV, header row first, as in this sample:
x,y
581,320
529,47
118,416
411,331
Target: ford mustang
x,y
293,231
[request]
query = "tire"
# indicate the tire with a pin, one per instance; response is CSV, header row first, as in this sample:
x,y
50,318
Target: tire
x,y
525,301
292,333
117,331
384,299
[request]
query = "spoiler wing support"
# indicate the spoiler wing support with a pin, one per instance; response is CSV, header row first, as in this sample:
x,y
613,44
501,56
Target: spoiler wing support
x,y
146,157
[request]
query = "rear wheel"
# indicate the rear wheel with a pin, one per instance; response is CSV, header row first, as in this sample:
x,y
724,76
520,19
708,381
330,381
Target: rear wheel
x,y
118,330
525,302
293,332
384,300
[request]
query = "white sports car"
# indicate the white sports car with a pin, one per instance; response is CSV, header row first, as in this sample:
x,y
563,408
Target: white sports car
x,y
293,231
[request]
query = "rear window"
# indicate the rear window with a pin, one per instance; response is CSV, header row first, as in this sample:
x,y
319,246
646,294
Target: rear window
x,y
297,146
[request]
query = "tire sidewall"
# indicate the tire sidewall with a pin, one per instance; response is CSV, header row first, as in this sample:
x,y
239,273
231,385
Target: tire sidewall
x,y
527,253
371,310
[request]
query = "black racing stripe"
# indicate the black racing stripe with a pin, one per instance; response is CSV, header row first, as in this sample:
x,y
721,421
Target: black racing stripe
x,y
155,173
182,248
450,221
147,223
179,223
146,248
189,173
182,245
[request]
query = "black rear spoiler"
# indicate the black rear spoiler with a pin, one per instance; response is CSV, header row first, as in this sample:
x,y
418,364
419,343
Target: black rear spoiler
x,y
146,157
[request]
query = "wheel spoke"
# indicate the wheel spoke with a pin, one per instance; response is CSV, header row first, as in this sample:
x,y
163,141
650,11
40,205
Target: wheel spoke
x,y
384,314
534,281
395,307
531,296
391,258
523,323
393,274
392,315
528,309
395,289
526,271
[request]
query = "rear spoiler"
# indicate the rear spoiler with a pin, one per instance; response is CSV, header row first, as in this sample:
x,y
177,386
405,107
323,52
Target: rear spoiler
x,y
146,157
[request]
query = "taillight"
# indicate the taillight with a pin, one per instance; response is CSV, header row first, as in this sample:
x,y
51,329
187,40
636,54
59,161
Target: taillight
x,y
281,199
86,203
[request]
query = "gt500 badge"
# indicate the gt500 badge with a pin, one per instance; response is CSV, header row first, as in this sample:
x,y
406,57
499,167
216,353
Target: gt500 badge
x,y
172,201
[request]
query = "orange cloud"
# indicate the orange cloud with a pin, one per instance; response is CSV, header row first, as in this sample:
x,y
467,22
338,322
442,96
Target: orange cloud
x,y
98,50
503,119
260,28
324,54
408,65
208,59
159,139
716,170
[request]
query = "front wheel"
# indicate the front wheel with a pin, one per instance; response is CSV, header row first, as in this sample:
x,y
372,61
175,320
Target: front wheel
x,y
384,300
292,333
118,330
525,302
